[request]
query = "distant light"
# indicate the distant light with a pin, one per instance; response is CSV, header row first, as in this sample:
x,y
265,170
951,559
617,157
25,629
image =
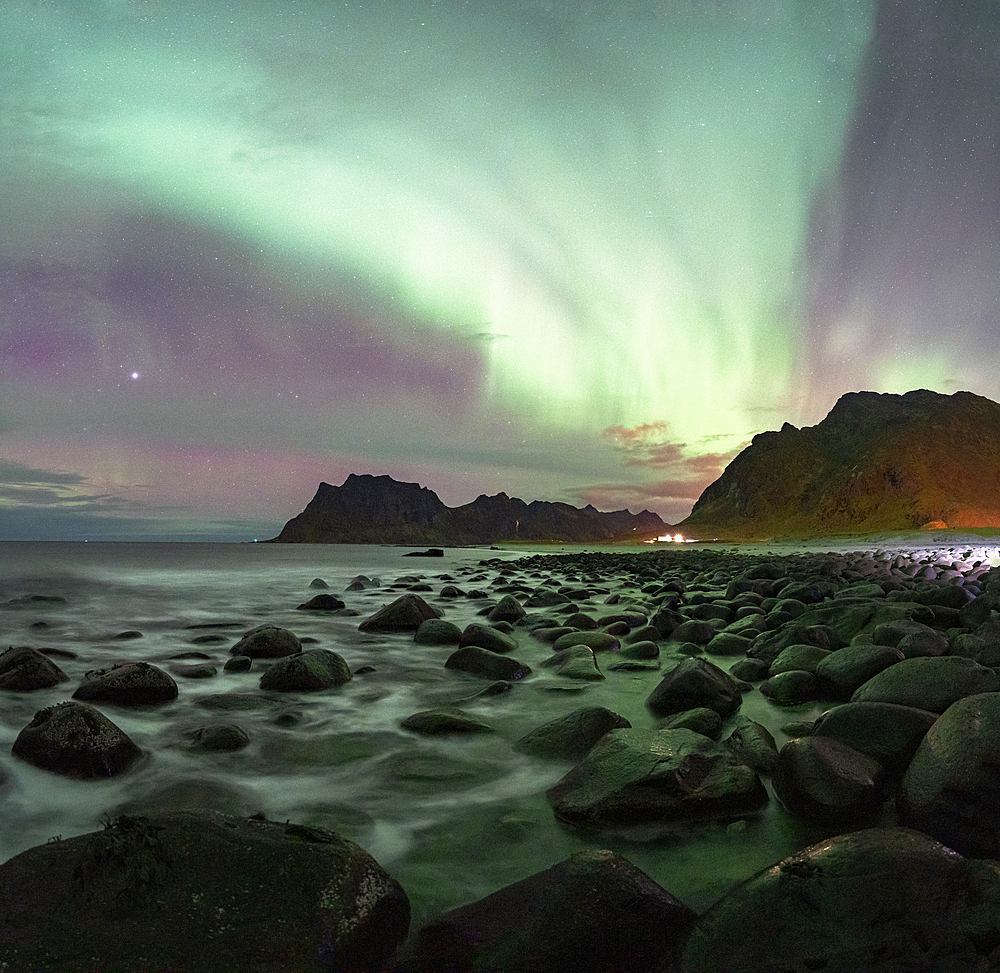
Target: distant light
x,y
135,375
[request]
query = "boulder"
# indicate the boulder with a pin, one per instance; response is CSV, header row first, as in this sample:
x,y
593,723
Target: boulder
x,y
821,779
880,900
481,662
695,682
886,732
792,687
572,735
576,662
594,912
508,609
306,672
487,637
128,684
646,649
437,631
324,602
441,722
656,777
76,740
217,738
267,642
701,719
951,789
928,683
598,641
728,643
23,670
200,891
753,745
405,614
849,667
803,658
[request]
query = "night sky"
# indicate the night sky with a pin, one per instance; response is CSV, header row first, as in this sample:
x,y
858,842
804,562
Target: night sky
x,y
576,250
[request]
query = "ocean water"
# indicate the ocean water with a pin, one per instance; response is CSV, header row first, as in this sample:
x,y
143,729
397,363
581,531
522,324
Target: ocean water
x,y
452,819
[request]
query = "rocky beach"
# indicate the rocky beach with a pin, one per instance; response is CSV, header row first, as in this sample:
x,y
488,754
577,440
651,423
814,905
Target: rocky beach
x,y
679,757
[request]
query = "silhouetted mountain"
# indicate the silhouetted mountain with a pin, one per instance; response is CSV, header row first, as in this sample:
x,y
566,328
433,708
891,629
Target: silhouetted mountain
x,y
381,510
877,462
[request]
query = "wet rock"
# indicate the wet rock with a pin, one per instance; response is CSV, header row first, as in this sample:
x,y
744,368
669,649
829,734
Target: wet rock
x,y
437,631
804,658
238,663
189,887
76,740
546,598
694,630
488,637
701,719
821,779
951,789
693,683
887,732
127,636
598,641
218,738
362,582
441,722
664,777
572,735
928,683
576,662
323,602
640,650
728,643
753,745
306,672
481,662
849,667
318,583
594,912
508,609
267,642
791,688
405,614
23,670
750,670
881,900
129,684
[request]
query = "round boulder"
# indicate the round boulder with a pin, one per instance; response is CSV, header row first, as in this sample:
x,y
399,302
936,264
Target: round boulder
x,y
405,614
23,670
487,637
664,777
481,662
931,683
76,740
306,672
129,684
951,789
880,900
200,891
267,642
692,683
572,735
594,912
824,780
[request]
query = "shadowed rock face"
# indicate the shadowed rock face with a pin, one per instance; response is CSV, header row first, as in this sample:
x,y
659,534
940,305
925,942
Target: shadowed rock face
x,y
877,462
381,510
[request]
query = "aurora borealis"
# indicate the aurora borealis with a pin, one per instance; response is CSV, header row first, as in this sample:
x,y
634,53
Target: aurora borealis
x,y
571,250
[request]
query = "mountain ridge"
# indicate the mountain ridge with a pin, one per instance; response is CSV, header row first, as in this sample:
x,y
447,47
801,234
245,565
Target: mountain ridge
x,y
368,509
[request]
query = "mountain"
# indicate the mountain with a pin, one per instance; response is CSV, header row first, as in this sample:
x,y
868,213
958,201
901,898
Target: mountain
x,y
380,510
877,462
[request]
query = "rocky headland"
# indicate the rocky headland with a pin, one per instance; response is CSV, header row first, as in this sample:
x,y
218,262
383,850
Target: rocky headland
x,y
876,463
369,509
895,784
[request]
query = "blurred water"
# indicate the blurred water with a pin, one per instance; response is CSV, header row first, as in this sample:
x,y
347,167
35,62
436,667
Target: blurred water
x,y
451,818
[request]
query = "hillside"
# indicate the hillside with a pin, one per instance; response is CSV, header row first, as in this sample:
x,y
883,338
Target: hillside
x,y
877,462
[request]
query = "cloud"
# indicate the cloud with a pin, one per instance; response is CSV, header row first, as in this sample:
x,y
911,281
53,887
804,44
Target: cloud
x,y
624,436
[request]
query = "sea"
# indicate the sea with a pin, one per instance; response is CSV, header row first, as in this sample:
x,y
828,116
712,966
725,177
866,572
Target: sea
x,y
451,818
